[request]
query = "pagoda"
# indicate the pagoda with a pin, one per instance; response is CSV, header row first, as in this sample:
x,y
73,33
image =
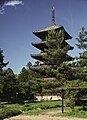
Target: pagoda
x,y
41,34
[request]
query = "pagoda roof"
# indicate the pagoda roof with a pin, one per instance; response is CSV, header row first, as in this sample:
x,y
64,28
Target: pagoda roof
x,y
40,57
43,32
48,28
36,68
42,44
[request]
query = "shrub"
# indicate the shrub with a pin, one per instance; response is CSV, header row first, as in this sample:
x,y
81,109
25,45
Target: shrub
x,y
27,107
8,113
1,106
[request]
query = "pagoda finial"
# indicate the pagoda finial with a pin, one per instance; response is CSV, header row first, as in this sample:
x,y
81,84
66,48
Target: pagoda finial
x,y
53,14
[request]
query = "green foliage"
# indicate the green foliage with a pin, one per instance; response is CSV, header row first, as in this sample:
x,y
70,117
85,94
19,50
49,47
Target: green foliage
x,y
56,56
29,84
78,113
29,64
76,87
23,76
2,64
56,52
8,113
81,63
8,82
1,106
24,84
1,85
82,39
9,110
51,86
40,106
82,44
15,88
65,72
73,92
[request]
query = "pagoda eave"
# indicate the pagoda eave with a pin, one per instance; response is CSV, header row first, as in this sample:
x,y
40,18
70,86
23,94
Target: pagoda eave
x,y
40,45
38,56
43,33
69,46
37,68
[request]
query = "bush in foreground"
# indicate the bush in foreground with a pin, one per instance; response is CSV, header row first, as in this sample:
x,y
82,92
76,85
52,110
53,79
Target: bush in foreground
x,y
8,113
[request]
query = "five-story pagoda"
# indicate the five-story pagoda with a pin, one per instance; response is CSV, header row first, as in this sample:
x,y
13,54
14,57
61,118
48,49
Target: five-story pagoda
x,y
42,44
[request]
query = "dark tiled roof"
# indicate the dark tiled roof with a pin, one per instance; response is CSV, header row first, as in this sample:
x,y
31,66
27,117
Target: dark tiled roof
x,y
47,28
43,32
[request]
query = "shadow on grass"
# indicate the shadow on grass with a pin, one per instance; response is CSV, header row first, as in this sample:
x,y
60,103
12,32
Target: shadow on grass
x,y
84,108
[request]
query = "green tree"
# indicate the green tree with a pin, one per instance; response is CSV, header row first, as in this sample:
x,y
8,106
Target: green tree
x,y
56,55
1,86
29,64
24,84
29,84
2,64
81,64
57,58
82,39
10,85
82,59
77,87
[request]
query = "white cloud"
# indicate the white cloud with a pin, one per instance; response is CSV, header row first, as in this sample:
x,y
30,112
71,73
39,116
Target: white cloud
x,y
9,3
13,3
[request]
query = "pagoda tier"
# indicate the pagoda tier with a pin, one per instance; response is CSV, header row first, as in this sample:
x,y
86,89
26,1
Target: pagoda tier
x,y
44,32
41,45
40,57
37,68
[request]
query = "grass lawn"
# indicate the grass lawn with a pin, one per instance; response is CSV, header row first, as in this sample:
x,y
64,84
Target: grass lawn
x,y
39,107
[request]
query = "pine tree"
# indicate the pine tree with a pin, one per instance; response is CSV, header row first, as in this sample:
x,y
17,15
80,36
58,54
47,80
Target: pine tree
x,y
56,55
2,64
10,84
82,59
81,67
29,84
82,39
29,64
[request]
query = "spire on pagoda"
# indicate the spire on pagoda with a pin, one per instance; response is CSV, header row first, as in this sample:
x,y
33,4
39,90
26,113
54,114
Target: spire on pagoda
x,y
53,14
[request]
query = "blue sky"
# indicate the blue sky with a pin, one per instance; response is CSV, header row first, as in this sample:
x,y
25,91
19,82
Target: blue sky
x,y
18,18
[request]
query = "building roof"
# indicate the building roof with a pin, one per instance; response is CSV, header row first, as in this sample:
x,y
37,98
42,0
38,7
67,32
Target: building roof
x,y
43,32
37,67
42,44
53,26
40,57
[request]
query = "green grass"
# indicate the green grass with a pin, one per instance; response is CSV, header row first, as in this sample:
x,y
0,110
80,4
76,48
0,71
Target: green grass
x,y
32,108
38,107
78,112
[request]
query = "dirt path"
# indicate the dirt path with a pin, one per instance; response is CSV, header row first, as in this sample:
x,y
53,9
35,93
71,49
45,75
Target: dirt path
x,y
44,116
